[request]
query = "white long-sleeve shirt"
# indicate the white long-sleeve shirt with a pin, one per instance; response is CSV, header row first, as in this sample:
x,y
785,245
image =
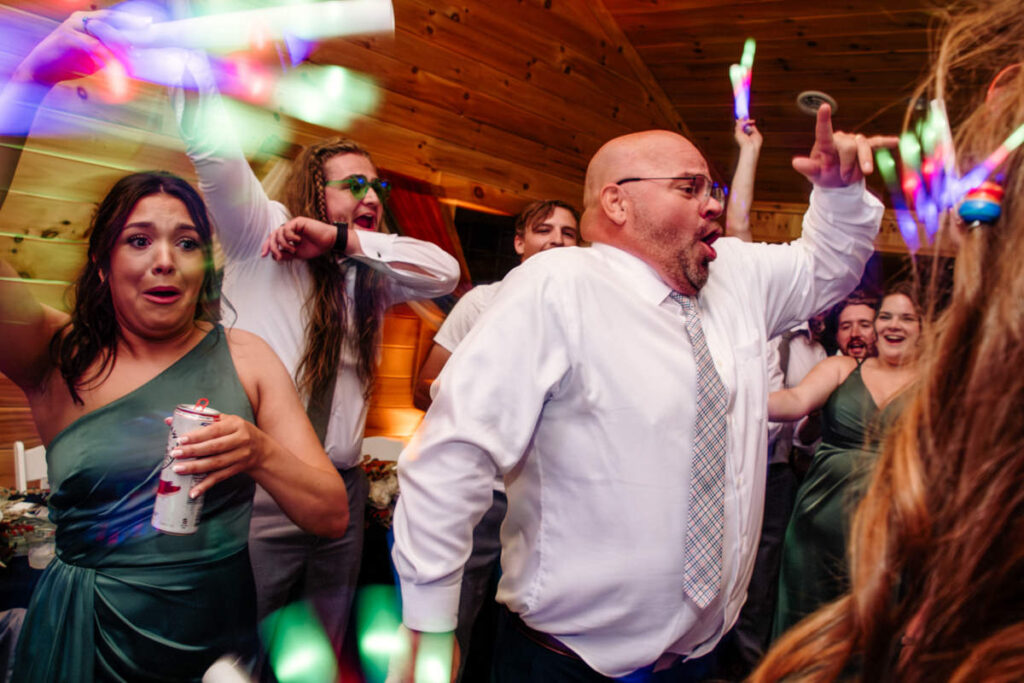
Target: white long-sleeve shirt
x,y
464,315
269,297
804,354
578,384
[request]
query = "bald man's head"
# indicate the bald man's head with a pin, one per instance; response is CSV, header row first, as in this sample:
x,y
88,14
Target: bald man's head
x,y
645,154
642,194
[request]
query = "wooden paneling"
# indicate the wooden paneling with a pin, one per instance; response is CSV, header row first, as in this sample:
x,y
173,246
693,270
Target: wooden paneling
x,y
498,104
782,222
15,425
501,103
867,54
391,412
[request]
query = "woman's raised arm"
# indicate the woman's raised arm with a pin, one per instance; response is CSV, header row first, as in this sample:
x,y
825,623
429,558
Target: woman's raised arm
x,y
792,404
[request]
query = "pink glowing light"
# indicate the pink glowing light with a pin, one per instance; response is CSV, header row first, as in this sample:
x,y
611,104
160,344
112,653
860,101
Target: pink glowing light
x,y
740,75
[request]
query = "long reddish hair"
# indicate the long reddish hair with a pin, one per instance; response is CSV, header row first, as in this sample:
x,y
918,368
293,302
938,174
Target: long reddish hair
x,y
937,544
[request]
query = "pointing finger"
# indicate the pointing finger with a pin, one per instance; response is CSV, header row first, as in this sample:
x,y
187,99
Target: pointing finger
x,y
823,132
865,155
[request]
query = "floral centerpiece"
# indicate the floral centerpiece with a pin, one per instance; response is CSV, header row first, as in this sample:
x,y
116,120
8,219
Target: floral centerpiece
x,y
383,476
24,517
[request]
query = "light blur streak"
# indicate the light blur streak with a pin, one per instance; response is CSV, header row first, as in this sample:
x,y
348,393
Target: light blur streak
x,y
298,648
434,658
910,151
931,184
977,175
328,96
740,91
248,125
378,620
740,75
231,31
887,168
747,61
908,227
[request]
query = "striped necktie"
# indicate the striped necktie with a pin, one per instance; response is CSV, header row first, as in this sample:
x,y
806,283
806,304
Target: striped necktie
x,y
706,512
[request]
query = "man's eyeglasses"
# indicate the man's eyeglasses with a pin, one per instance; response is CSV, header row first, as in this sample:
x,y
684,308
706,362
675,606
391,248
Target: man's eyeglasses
x,y
699,187
358,185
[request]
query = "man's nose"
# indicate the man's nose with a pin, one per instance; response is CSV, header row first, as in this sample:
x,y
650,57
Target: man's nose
x,y
712,209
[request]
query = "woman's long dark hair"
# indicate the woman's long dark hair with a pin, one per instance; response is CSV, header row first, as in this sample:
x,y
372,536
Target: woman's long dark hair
x,y
92,332
333,329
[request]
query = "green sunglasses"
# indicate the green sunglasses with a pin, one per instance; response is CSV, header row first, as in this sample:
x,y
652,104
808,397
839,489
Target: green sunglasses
x,y
358,185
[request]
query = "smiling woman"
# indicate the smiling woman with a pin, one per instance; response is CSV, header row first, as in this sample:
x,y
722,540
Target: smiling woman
x,y
121,600
859,398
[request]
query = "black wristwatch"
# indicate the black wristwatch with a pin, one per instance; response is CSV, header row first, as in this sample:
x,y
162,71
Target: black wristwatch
x,y
341,239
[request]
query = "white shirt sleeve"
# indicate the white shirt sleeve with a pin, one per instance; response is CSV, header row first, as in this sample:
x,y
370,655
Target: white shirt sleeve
x,y
776,381
244,215
240,209
495,424
826,263
463,316
382,250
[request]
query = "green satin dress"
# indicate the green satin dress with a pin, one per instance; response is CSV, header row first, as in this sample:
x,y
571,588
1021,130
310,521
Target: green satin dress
x,y
122,601
813,568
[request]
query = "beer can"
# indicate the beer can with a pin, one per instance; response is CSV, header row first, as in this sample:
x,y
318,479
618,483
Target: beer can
x,y
174,512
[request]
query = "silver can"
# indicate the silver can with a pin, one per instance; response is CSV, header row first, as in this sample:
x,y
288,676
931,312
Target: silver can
x,y
174,512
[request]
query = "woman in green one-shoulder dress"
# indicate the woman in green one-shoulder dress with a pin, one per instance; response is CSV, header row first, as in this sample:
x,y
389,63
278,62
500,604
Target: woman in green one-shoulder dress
x,y
120,597
860,400
122,601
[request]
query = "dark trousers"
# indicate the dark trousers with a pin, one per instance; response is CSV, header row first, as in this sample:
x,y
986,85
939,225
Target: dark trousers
x,y
289,564
479,583
520,659
742,648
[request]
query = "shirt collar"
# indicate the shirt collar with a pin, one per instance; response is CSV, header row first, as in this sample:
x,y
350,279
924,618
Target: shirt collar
x,y
635,272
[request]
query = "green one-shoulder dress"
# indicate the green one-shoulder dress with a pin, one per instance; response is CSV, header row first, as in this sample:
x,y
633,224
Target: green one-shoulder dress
x,y
813,569
122,601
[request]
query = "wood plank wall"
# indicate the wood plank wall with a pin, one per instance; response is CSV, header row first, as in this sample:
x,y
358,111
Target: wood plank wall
x,y
15,425
782,222
496,103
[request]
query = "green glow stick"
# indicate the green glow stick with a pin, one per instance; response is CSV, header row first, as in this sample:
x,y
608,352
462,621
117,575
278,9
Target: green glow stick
x,y
747,62
887,167
910,150
298,646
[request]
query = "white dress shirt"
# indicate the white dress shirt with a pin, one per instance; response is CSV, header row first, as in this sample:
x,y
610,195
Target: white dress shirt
x,y
804,354
269,298
578,385
464,315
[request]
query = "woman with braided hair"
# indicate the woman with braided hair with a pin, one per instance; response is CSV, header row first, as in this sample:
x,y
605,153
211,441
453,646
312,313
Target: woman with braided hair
x,y
937,544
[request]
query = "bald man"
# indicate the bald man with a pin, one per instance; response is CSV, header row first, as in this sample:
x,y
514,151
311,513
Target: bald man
x,y
621,390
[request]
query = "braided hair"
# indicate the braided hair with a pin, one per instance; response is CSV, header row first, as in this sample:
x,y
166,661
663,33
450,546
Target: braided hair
x,y
334,329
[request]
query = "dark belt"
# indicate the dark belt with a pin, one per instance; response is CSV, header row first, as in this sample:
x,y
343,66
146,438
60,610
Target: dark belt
x,y
546,641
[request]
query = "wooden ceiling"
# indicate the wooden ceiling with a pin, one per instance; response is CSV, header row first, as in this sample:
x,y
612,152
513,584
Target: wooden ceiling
x,y
499,102
867,54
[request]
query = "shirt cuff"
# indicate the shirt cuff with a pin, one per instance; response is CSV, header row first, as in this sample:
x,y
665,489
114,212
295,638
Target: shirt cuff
x,y
376,246
433,609
848,197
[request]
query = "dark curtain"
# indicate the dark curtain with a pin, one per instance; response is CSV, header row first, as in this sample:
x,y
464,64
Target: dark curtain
x,y
414,211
